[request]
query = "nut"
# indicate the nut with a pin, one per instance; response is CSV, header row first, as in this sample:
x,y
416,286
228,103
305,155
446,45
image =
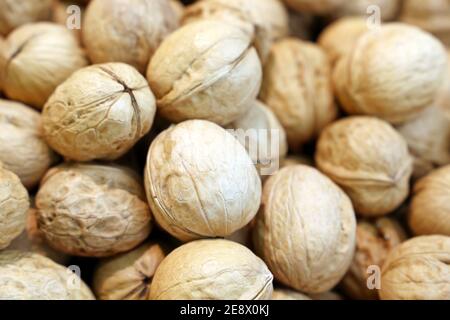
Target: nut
x,y
212,269
30,276
393,72
388,9
100,112
369,160
307,244
297,159
205,70
297,87
92,210
287,294
126,31
128,276
418,270
14,204
321,7
200,181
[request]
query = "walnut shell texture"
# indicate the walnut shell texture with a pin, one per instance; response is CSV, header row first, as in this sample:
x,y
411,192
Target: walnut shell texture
x,y
213,270
307,243
320,7
100,112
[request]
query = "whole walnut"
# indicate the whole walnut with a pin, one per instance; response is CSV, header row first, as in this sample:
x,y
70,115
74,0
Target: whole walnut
x,y
128,276
92,210
100,112
35,59
393,72
14,13
264,20
200,181
297,87
307,244
126,31
205,70
369,160
31,276
14,204
430,210
320,7
388,9
428,138
374,241
212,270
417,269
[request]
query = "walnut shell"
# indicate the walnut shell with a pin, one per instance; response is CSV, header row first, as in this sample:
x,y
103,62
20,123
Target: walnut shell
x,y
14,204
100,112
297,87
126,31
389,9
35,59
369,160
212,270
200,181
92,210
288,294
296,160
393,72
374,241
265,20
14,13
307,244
418,269
320,7
205,70
128,276
30,276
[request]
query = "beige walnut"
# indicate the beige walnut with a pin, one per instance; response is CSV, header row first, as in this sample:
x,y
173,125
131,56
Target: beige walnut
x,y
100,112
369,160
30,276
212,270
14,204
374,240
393,72
388,9
297,87
14,13
92,210
320,7
307,244
430,210
200,181
126,31
128,276
205,70
418,269
264,20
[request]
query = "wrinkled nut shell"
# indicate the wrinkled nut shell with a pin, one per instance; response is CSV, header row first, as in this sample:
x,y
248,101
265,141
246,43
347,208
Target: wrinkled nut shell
x,y
320,7
200,181
212,270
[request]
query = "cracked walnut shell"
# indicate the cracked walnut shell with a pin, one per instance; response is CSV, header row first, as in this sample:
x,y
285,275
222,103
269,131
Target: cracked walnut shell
x,y
200,181
92,210
212,270
100,112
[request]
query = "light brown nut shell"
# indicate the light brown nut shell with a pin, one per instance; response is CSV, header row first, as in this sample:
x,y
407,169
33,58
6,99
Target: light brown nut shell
x,y
92,210
418,269
200,181
35,59
305,230
212,270
126,31
205,70
14,204
320,7
369,160
22,146
128,276
100,112
388,9
30,276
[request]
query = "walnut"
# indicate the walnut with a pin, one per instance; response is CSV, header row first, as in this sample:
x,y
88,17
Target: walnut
x,y
92,210
205,70
307,244
212,269
200,181
320,7
100,112
369,160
